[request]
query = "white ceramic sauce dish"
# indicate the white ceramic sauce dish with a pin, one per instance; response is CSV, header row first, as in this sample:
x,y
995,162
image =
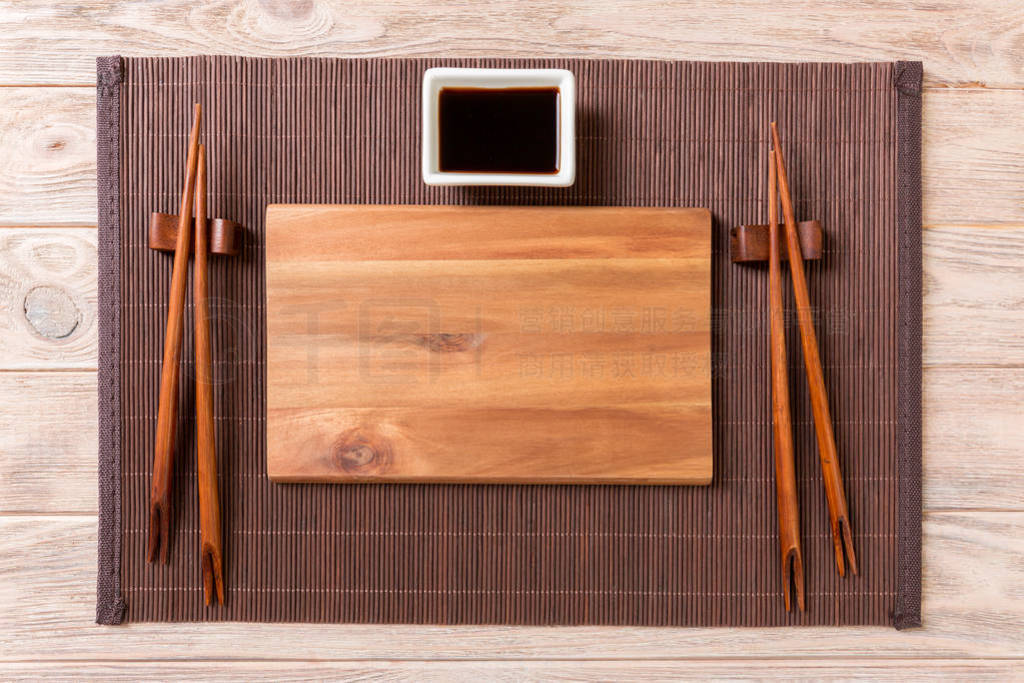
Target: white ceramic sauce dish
x,y
480,81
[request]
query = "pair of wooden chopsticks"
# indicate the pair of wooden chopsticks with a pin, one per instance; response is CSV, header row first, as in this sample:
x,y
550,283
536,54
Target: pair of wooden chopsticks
x,y
785,469
211,554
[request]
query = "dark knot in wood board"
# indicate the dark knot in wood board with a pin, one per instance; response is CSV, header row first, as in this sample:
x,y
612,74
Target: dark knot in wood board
x,y
450,343
361,452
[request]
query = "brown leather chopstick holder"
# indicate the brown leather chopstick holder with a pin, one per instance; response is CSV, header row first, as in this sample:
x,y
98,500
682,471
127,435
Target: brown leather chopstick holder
x,y
225,235
749,243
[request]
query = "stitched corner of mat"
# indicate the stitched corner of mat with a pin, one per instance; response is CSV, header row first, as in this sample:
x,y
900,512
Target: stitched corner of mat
x,y
907,77
110,606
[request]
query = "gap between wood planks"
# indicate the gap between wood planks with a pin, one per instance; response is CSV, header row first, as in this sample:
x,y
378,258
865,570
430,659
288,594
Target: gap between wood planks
x,y
935,87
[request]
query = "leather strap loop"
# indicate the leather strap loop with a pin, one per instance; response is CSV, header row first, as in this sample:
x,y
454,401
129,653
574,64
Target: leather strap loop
x,y
749,243
225,235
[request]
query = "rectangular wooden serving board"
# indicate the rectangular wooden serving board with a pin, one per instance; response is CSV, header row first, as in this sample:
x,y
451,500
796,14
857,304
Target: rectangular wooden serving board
x,y
488,344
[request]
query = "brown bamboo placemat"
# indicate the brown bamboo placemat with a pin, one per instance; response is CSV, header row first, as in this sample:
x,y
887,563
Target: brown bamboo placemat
x,y
649,134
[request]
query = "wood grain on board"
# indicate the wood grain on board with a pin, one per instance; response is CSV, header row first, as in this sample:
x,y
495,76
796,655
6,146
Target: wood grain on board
x,y
973,296
508,344
980,130
973,608
47,442
47,156
961,43
973,163
973,438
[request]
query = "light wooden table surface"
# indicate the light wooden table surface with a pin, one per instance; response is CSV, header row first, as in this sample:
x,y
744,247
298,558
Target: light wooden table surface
x,y
973,352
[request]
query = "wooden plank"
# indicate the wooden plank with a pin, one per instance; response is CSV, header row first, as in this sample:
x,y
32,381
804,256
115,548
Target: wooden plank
x,y
973,286
47,298
973,291
521,233
392,360
48,442
980,129
972,278
496,366
46,44
552,670
668,443
972,430
973,433
973,609
47,155
973,166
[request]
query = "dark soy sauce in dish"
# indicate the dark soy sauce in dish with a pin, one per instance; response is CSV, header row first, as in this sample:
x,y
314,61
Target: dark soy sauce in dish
x,y
499,130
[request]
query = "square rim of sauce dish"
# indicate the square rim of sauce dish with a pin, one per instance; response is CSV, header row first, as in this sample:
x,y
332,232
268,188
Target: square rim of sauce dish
x,y
438,78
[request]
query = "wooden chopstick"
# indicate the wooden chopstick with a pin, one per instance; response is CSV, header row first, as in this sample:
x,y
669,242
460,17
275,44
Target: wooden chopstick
x,y
842,534
167,412
785,468
210,551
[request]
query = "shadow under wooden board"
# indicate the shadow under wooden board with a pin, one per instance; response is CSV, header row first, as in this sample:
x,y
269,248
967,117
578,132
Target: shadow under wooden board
x,y
489,344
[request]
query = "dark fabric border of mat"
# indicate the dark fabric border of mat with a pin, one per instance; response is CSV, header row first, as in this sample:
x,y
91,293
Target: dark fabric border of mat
x,y
110,605
907,76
